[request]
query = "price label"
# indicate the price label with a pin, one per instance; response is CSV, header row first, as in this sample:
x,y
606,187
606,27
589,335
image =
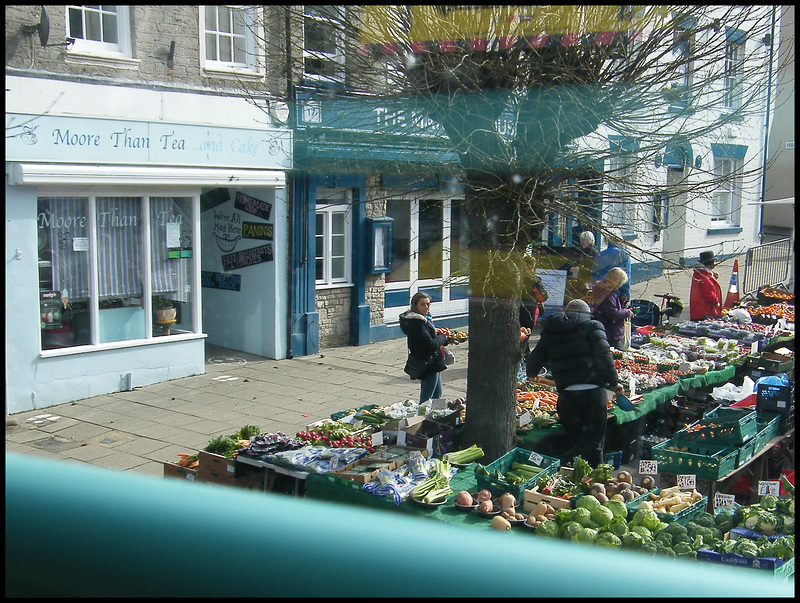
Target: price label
x,y
687,482
769,487
438,404
377,440
524,419
334,463
754,347
536,459
724,501
648,467
414,454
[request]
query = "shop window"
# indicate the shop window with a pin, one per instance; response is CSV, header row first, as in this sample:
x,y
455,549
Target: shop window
x,y
228,38
107,264
99,29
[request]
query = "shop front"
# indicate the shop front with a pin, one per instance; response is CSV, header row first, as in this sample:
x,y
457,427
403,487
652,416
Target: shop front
x,y
132,242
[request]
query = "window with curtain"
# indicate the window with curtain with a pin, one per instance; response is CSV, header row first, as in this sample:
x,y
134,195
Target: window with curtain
x,y
333,248
106,263
727,197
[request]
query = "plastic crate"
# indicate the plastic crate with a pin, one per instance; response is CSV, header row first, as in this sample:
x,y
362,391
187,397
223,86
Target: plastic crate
x,y
768,425
498,487
339,415
721,426
613,458
746,452
704,461
687,514
774,398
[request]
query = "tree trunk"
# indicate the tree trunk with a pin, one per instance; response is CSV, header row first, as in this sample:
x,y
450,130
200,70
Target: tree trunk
x,y
494,356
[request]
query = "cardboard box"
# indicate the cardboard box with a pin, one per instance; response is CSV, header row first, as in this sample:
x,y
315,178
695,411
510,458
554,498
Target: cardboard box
x,y
176,471
216,469
769,361
775,566
531,497
420,432
398,454
364,470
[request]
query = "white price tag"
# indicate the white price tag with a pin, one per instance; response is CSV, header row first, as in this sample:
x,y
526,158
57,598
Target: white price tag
x,y
438,404
334,463
648,467
536,459
632,386
525,418
754,347
377,440
769,487
724,501
414,454
687,482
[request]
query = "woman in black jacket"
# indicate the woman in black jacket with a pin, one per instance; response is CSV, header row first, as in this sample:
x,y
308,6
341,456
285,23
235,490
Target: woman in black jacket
x,y
575,349
425,343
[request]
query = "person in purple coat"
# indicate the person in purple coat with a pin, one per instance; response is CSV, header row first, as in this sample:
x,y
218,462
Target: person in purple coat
x,y
609,309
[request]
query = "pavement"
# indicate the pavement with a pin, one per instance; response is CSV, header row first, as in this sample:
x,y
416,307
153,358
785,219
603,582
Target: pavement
x,y
140,429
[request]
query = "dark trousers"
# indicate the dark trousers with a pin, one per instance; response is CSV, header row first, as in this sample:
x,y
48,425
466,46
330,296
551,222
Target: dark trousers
x,y
582,415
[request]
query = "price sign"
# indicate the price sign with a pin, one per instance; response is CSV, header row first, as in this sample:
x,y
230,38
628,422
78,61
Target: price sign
x,y
536,459
334,463
414,454
377,440
524,418
724,501
438,404
648,467
769,487
754,347
687,482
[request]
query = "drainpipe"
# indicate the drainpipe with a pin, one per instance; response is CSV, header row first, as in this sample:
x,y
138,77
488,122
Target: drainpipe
x,y
290,186
766,130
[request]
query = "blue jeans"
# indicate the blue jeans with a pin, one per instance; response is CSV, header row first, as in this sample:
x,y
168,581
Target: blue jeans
x,y
430,387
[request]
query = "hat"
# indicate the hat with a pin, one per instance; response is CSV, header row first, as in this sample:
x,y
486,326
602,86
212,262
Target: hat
x,y
707,258
578,305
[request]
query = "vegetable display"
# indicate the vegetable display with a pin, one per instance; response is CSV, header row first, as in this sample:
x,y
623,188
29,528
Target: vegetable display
x,y
436,487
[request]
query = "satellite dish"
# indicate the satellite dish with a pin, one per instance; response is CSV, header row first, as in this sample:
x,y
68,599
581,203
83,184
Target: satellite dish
x,y
42,28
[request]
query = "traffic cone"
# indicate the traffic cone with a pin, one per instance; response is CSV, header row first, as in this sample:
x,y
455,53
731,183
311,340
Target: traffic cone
x,y
733,290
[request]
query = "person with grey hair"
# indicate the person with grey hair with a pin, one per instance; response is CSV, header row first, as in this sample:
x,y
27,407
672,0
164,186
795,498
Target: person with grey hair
x,y
574,348
613,255
608,307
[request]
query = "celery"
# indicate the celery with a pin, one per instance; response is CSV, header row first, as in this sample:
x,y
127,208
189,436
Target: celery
x,y
466,456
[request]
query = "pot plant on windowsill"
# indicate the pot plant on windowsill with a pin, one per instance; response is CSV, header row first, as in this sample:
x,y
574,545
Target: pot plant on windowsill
x,y
166,313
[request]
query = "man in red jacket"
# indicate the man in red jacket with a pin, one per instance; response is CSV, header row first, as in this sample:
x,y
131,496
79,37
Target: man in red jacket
x,y
705,296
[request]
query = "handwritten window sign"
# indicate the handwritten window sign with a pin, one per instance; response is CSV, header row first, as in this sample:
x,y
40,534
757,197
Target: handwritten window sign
x,y
218,280
253,206
248,257
257,230
687,482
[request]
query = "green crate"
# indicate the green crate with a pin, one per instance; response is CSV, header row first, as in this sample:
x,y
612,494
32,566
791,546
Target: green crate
x,y
721,426
746,452
768,425
498,487
705,461
687,514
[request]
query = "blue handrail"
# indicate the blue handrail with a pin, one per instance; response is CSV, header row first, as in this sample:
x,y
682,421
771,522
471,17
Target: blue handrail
x,y
75,530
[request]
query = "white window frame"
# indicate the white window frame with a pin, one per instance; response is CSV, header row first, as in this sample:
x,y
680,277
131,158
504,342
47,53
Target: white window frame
x,y
337,57
727,198
253,52
121,49
622,208
335,204
734,75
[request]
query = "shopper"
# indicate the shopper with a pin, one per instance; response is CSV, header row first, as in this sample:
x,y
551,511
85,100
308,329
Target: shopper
x,y
613,255
575,350
587,244
425,343
705,295
608,308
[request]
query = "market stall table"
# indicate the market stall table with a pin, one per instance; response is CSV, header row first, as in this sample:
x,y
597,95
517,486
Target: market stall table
x,y
299,476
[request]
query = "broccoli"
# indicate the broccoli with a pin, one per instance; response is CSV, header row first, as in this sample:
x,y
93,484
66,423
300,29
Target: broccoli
x,y
724,521
649,547
683,549
675,528
704,519
664,550
664,537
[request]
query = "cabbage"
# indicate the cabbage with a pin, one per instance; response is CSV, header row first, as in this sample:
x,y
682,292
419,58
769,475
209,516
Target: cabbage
x,y
618,508
643,532
632,540
618,526
586,535
549,528
582,516
648,519
587,501
602,515
608,539
570,530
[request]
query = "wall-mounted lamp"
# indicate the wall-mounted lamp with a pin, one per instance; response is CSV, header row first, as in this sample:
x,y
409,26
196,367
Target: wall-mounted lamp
x,y
43,29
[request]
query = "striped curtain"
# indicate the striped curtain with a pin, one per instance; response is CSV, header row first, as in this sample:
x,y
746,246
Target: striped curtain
x,y
169,276
64,219
119,233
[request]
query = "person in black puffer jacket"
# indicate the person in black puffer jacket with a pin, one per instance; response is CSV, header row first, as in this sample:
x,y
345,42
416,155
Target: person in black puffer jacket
x,y
575,349
425,343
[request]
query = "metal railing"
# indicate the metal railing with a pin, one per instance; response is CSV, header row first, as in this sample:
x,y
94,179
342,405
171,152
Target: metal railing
x,y
767,265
